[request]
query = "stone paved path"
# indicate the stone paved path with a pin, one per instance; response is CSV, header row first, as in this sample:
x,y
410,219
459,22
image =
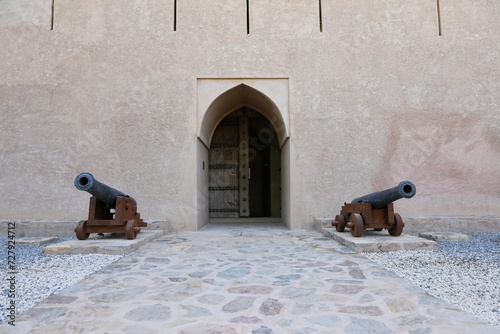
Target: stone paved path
x,y
244,279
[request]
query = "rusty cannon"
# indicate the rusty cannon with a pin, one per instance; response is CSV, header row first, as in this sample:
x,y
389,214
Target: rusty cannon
x,y
110,210
374,211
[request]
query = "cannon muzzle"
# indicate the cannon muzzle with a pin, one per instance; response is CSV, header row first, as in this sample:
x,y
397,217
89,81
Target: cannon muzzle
x,y
106,194
379,199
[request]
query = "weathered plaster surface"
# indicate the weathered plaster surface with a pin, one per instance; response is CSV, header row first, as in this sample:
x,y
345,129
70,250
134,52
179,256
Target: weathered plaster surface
x,y
375,97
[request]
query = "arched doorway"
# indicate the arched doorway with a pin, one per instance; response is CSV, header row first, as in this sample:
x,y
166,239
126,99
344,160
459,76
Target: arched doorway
x,y
244,167
266,105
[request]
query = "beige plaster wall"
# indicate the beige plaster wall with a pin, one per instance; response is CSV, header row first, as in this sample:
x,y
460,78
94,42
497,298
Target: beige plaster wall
x,y
375,97
202,199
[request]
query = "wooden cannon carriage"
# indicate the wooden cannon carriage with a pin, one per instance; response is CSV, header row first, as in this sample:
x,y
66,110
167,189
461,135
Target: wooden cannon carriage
x,y
374,211
110,210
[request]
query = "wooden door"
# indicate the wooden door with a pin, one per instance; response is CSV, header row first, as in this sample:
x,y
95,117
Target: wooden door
x,y
228,169
244,167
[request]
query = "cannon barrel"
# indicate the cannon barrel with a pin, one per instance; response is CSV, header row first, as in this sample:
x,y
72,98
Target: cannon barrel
x,y
380,199
106,194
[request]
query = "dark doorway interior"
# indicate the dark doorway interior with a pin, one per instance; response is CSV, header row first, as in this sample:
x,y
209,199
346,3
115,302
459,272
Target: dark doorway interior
x,y
260,164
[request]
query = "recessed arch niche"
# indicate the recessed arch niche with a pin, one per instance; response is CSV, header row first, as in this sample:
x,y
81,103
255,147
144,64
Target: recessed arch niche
x,y
216,99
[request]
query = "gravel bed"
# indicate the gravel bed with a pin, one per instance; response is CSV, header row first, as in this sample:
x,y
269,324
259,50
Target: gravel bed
x,y
39,276
464,273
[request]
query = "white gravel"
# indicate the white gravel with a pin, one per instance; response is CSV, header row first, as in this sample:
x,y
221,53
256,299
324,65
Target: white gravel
x,y
464,273
38,276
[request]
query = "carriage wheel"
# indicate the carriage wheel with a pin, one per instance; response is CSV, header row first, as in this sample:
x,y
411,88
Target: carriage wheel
x,y
340,223
398,228
130,230
79,230
357,224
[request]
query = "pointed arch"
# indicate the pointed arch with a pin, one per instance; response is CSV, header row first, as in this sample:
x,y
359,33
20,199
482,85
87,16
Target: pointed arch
x,y
216,99
244,95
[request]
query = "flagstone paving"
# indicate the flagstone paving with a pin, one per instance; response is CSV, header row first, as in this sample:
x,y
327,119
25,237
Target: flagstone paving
x,y
244,279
